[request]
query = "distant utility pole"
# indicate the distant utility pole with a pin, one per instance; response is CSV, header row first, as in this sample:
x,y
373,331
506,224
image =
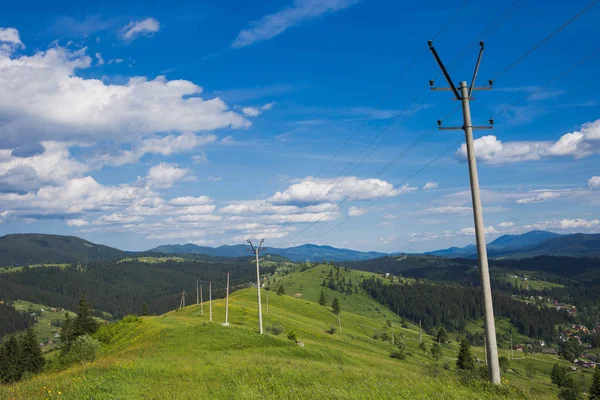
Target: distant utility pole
x,y
201,302
197,293
464,96
182,300
256,253
227,303
210,301
420,333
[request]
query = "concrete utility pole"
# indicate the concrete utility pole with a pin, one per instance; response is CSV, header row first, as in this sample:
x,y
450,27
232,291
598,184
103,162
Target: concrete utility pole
x,y
464,96
182,300
227,303
197,294
210,301
256,253
201,302
420,333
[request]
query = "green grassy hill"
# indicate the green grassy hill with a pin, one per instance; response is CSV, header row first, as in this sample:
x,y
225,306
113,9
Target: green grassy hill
x,y
181,355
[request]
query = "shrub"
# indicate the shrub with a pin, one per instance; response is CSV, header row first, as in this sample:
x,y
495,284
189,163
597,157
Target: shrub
x,y
293,336
504,364
331,330
275,328
400,355
84,348
433,370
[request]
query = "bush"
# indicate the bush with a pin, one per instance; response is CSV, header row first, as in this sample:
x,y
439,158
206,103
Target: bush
x,y
433,370
400,355
331,330
84,348
275,328
293,336
504,364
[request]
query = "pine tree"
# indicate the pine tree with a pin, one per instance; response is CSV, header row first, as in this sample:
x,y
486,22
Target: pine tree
x,y
3,363
558,375
436,351
322,299
14,367
441,335
423,347
66,332
281,290
335,306
594,391
31,354
85,322
145,309
465,359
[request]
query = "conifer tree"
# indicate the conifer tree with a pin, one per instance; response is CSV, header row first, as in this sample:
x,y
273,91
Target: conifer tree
x,y
281,290
465,359
3,363
145,309
594,391
31,354
335,306
85,322
12,352
322,299
66,332
436,351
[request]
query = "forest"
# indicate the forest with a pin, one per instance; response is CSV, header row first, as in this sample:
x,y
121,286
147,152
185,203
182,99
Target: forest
x,y
12,320
121,288
453,306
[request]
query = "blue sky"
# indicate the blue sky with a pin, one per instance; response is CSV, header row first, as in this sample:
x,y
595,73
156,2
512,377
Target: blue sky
x,y
135,124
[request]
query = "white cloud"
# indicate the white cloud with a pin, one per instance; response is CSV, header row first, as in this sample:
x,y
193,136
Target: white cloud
x,y
118,218
53,166
578,144
425,236
44,99
199,159
10,35
444,210
578,223
268,106
190,201
100,59
272,25
214,178
165,175
251,111
539,198
489,230
311,189
506,224
594,182
77,222
115,61
430,185
144,27
357,211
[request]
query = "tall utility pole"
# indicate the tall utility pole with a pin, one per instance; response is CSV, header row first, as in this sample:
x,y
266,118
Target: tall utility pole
x,y
210,301
227,303
182,300
464,96
197,293
256,253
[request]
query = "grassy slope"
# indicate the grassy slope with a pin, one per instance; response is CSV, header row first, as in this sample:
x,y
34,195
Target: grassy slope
x,y
182,355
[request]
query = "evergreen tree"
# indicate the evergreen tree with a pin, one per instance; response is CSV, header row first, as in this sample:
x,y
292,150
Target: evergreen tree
x,y
3,363
145,309
594,391
465,359
335,306
281,290
66,332
441,335
322,299
504,364
14,367
85,322
31,353
558,375
324,283
436,351
422,347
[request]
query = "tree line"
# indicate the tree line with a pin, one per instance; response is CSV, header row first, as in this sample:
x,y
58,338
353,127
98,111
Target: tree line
x,y
453,306
13,320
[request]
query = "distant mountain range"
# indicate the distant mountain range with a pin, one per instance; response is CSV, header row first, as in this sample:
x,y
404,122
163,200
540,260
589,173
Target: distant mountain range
x,y
34,248
531,244
306,252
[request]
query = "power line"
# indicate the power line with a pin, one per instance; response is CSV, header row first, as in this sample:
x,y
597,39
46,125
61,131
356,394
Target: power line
x,y
550,36
389,91
580,62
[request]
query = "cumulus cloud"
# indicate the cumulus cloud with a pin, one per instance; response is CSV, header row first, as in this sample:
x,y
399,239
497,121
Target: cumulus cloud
x,y
135,29
272,25
578,144
251,111
164,175
77,222
506,224
322,189
9,40
44,99
190,201
539,198
489,230
118,218
594,182
461,210
430,185
357,211
100,60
